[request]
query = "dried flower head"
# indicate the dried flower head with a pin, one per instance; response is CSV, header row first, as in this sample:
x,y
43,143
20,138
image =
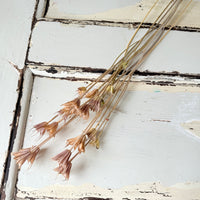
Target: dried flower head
x,y
41,127
64,163
91,93
84,111
63,157
72,104
27,154
64,169
95,104
77,142
70,108
81,90
52,128
91,133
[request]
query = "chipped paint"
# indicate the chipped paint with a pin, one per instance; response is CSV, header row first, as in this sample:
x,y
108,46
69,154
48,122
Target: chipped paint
x,y
182,191
193,127
142,86
133,13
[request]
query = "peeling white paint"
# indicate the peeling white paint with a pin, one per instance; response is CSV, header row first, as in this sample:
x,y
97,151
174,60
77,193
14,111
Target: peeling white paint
x,y
98,46
151,191
193,127
112,10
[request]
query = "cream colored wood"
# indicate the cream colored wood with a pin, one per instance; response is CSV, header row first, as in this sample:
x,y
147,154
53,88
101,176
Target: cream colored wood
x,y
117,11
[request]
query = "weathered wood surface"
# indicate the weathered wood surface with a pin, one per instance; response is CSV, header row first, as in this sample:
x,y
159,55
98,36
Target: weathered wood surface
x,y
15,20
126,11
55,43
144,142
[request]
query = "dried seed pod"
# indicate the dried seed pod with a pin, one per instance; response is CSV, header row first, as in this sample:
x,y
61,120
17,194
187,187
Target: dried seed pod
x,y
81,90
91,93
111,89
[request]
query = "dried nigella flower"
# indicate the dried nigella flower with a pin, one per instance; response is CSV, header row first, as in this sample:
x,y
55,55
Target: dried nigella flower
x,y
84,111
81,90
72,104
64,169
92,93
52,128
64,163
70,108
95,104
77,142
63,157
27,154
41,127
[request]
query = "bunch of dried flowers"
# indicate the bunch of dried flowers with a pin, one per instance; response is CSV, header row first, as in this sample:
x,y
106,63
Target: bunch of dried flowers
x,y
102,99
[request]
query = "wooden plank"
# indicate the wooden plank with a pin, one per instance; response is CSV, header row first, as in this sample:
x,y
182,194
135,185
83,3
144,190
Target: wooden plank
x,y
8,86
41,9
144,142
15,20
97,47
13,168
126,11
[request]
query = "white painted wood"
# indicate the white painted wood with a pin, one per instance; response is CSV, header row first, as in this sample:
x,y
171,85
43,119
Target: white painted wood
x,y
144,142
117,10
27,88
41,9
150,191
66,73
98,46
15,21
8,86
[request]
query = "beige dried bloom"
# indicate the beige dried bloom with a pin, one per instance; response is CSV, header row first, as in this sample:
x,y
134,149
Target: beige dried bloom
x,y
52,129
72,104
91,93
95,104
27,154
70,108
64,163
77,143
81,90
46,127
64,169
63,157
84,111
41,127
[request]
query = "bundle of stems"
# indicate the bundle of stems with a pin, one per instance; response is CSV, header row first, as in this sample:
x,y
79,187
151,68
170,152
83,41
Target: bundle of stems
x,y
103,94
